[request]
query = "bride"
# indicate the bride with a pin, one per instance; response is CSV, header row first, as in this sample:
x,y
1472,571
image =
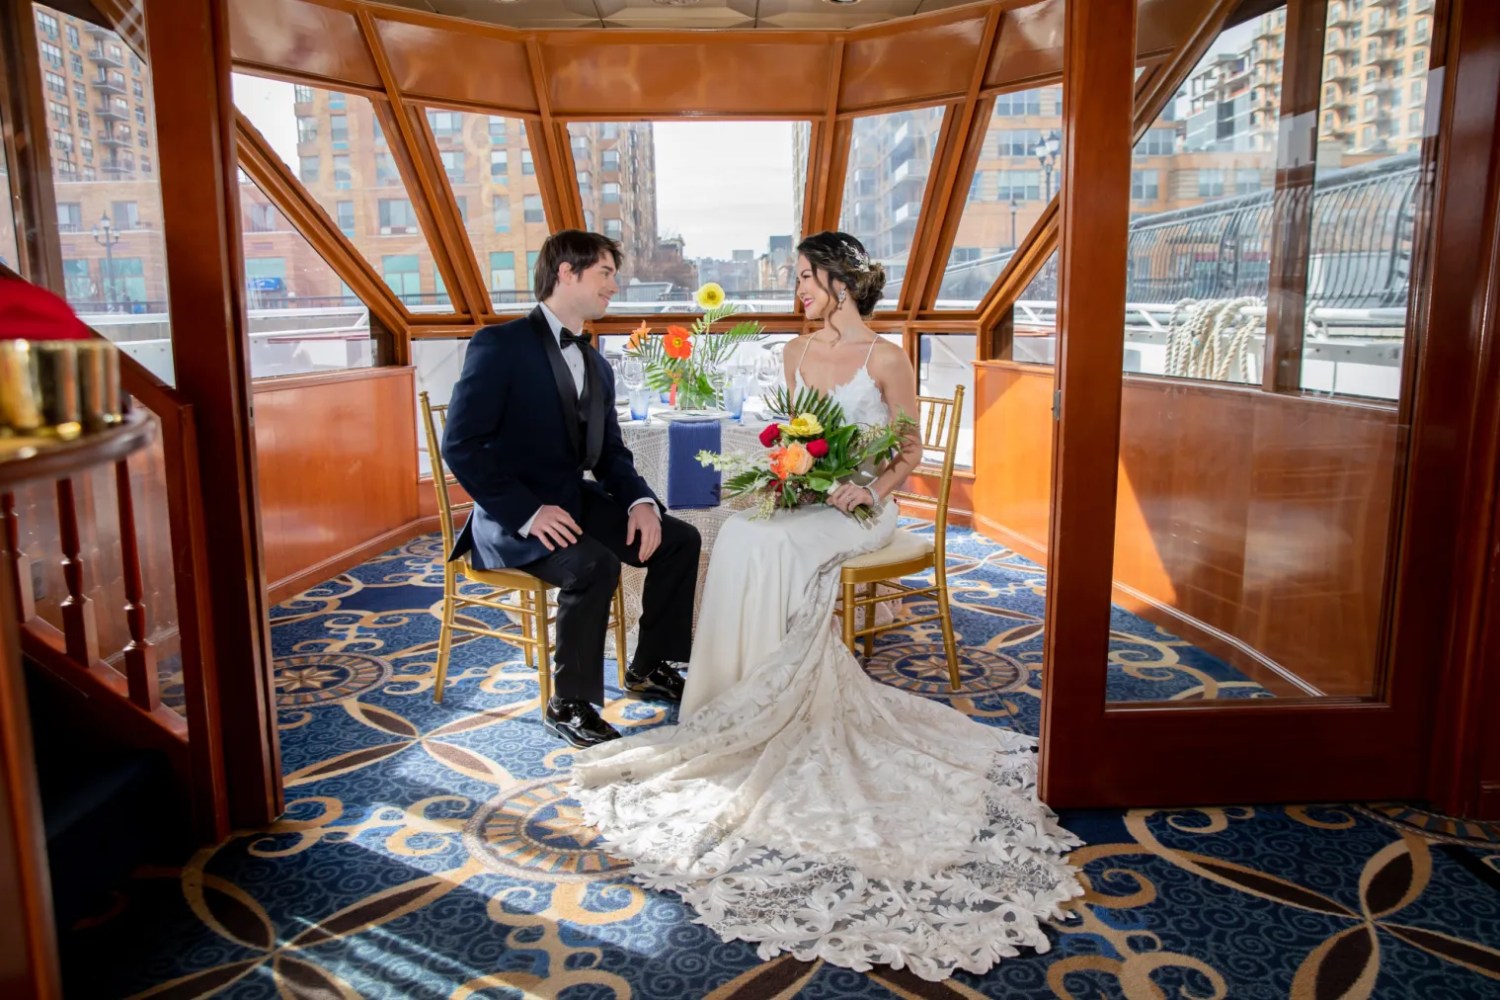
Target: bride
x,y
798,803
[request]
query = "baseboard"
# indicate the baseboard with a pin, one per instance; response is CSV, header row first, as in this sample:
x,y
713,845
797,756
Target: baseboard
x,y
1238,654
291,586
927,511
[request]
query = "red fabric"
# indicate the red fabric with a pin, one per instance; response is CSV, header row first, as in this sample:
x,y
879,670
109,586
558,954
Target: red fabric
x,y
31,312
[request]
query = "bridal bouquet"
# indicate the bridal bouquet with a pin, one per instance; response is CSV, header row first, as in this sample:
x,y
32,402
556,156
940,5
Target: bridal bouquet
x,y
687,369
807,455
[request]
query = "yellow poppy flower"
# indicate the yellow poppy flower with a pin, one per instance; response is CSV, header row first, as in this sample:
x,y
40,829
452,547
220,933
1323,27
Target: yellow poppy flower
x,y
638,337
710,296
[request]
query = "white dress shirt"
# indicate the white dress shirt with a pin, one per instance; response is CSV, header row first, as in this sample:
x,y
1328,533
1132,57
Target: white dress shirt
x,y
573,358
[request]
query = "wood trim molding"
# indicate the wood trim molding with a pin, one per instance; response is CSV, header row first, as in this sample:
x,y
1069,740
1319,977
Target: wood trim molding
x,y
264,167
290,586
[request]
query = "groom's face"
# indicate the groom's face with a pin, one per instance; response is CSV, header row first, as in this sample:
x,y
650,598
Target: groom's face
x,y
590,290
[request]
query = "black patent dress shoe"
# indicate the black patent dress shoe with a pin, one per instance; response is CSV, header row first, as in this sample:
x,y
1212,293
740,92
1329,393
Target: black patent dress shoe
x,y
655,681
577,723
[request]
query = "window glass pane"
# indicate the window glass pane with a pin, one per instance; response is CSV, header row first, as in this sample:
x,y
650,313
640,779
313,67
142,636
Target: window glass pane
x,y
1018,171
1035,340
1200,199
890,157
946,362
1370,129
438,362
332,142
482,156
107,194
694,202
9,252
301,319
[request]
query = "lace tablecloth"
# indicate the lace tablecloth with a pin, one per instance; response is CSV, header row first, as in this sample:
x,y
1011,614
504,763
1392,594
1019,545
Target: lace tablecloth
x,y
648,441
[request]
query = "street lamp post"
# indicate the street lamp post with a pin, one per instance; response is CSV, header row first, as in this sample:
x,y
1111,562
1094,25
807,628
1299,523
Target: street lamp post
x,y
104,234
1046,154
1013,207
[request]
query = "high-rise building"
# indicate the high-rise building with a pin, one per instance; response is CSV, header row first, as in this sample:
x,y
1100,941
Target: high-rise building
x,y
101,133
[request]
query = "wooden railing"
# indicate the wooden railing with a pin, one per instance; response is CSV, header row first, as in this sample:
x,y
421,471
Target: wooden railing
x,y
108,572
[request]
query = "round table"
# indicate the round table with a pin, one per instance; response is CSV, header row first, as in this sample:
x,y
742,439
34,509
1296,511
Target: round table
x,y
648,440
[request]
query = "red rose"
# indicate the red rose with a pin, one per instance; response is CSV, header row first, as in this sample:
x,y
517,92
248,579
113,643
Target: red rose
x,y
770,435
817,448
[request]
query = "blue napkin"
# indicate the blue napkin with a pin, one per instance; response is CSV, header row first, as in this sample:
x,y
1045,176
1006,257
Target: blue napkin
x,y
690,484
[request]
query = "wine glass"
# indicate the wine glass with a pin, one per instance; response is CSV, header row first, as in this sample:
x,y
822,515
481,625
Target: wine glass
x,y
632,372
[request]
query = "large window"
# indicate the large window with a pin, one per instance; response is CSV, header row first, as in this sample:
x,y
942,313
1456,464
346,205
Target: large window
x,y
694,202
890,157
332,141
302,318
466,143
108,202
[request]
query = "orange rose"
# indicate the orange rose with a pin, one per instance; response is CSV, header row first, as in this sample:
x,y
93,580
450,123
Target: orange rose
x,y
679,343
793,459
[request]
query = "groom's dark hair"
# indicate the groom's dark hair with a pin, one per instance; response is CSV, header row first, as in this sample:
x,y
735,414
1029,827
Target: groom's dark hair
x,y
574,247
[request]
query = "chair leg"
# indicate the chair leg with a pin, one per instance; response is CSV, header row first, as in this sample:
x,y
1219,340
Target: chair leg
x,y
950,648
620,634
848,618
525,597
869,621
445,631
543,647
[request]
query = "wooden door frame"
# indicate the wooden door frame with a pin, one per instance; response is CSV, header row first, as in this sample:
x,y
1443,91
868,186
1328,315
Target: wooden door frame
x,y
1114,755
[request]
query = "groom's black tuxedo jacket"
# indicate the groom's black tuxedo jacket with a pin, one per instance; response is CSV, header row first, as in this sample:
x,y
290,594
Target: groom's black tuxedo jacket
x,y
517,438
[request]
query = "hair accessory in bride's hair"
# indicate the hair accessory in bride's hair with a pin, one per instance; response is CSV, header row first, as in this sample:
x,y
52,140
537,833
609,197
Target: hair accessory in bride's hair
x,y
857,254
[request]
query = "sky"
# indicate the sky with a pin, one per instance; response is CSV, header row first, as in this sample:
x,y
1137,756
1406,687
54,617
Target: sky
x,y
724,186
268,105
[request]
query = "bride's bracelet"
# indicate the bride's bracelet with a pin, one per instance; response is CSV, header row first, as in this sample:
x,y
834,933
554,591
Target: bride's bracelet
x,y
874,497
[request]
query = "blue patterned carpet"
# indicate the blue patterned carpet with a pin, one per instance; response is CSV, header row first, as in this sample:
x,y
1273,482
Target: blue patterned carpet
x,y
431,851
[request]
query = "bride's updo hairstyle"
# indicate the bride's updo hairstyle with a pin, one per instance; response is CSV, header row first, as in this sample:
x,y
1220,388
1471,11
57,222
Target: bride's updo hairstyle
x,y
844,258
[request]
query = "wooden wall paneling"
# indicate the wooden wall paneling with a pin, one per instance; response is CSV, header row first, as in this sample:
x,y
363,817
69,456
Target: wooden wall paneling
x,y
312,221
958,151
1455,285
322,40
938,56
195,132
1292,206
1013,454
26,135
450,60
644,73
406,133
1098,136
1030,49
322,440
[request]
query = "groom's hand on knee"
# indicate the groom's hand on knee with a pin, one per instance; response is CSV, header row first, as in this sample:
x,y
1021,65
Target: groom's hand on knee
x,y
644,523
555,528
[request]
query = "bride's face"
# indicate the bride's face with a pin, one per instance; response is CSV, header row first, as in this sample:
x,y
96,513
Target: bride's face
x,y
812,291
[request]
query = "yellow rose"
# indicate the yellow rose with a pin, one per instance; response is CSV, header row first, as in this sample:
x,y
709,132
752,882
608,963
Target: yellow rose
x,y
795,459
710,296
805,426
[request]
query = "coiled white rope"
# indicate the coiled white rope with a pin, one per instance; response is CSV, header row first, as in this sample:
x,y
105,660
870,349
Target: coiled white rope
x,y
1210,338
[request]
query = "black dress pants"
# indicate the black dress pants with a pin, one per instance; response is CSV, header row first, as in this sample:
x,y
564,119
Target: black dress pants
x,y
586,574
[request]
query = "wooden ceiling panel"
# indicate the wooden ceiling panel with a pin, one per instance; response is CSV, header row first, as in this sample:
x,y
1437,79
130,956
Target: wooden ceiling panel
x,y
452,64
922,60
599,73
1030,47
293,35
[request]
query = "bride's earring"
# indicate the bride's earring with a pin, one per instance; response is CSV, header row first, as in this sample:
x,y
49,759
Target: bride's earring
x,y
843,294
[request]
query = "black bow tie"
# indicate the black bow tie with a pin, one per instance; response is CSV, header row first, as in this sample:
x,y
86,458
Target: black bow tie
x,y
569,337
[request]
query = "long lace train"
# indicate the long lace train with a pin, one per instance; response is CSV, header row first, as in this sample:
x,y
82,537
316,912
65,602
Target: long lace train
x,y
817,812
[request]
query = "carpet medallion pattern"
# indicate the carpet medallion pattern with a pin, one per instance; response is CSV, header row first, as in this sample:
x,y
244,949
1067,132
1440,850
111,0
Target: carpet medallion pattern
x,y
433,850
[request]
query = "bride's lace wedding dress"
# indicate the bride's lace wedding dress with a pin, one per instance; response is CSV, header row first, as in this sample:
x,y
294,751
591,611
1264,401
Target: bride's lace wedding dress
x,y
803,806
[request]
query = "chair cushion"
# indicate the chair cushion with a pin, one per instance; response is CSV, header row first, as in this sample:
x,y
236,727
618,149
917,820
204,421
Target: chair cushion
x,y
904,546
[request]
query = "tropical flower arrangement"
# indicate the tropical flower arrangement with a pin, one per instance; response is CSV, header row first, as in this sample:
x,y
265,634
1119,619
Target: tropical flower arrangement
x,y
808,454
688,362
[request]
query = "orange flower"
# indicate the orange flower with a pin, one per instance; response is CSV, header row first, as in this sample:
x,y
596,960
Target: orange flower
x,y
638,337
793,460
679,343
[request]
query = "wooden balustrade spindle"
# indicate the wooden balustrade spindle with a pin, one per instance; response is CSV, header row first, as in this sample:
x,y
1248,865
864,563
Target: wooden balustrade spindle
x,y
19,562
140,655
79,629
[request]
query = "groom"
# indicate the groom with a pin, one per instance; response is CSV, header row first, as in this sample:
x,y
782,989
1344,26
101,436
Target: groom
x,y
532,412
